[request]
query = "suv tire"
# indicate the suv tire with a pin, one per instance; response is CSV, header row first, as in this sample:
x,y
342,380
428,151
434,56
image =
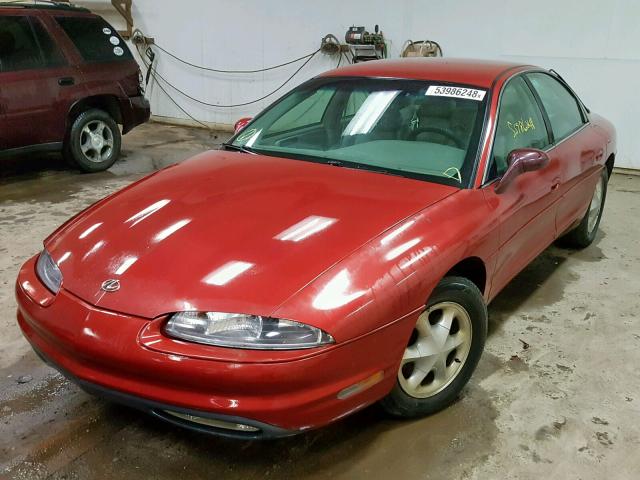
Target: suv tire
x,y
93,142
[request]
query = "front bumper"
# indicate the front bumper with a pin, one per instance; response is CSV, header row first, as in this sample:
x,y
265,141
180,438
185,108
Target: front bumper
x,y
102,351
162,410
135,111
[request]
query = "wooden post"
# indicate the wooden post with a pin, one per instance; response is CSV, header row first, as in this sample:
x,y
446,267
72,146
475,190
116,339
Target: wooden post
x,y
124,8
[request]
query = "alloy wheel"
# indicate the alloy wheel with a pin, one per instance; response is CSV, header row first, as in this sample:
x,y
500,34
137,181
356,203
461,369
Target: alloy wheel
x,y
96,141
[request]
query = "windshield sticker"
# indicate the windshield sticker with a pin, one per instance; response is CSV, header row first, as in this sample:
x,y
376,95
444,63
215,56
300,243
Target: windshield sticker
x,y
118,51
246,135
114,40
456,92
521,126
106,31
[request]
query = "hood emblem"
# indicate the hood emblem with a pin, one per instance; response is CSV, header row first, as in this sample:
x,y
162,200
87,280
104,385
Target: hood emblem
x,y
110,285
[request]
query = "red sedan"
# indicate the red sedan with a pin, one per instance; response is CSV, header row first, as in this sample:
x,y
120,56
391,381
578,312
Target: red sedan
x,y
340,250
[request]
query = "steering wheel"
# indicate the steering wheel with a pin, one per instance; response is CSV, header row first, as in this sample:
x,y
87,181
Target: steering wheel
x,y
440,131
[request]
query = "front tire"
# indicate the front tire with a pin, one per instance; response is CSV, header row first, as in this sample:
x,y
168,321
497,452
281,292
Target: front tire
x,y
94,141
583,235
443,350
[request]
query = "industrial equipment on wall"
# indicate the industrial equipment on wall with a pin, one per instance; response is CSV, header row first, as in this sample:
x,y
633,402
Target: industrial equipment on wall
x,y
365,45
421,48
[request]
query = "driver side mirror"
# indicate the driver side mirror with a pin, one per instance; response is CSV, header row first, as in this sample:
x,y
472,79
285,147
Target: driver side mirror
x,y
520,161
240,124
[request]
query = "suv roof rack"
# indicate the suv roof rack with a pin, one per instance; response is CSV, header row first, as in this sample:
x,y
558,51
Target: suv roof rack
x,y
42,4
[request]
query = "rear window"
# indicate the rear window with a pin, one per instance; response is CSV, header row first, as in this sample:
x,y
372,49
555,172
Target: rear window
x,y
18,48
95,39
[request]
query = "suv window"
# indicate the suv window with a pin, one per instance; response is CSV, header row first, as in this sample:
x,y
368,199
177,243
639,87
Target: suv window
x,y
520,125
95,39
51,54
18,46
561,106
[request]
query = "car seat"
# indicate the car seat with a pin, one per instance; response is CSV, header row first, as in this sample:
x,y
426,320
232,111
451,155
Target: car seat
x,y
435,112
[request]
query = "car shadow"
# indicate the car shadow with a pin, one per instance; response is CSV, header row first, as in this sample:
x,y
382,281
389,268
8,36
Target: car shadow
x,y
29,166
541,283
368,440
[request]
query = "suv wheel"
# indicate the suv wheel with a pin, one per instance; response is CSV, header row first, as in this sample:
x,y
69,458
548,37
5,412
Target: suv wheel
x,y
94,141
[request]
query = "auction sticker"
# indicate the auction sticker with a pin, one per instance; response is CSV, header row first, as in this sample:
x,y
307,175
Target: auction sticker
x,y
106,31
114,40
118,51
456,92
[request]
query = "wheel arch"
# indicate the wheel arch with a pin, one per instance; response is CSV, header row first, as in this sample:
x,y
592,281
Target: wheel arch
x,y
473,269
108,103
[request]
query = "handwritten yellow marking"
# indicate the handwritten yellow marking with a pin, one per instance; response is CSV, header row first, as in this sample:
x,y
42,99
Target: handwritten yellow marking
x,y
521,126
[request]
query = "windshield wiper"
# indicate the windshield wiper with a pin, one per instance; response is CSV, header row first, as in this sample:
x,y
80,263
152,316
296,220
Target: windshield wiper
x,y
238,148
335,163
357,166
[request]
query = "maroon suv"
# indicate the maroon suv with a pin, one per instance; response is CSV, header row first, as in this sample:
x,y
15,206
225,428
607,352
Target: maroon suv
x,y
67,79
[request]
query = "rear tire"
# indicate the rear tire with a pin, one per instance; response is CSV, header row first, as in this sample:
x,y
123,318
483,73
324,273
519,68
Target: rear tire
x,y
448,341
94,141
583,235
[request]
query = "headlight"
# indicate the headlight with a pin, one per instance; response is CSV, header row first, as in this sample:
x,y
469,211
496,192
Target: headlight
x,y
49,272
244,331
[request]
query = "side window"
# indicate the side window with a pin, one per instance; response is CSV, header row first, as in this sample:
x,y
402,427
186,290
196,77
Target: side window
x,y
520,125
95,39
18,46
562,107
306,113
51,54
355,101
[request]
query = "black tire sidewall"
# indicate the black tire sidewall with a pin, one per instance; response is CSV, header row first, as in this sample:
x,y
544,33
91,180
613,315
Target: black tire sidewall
x,y
591,235
465,293
581,237
73,150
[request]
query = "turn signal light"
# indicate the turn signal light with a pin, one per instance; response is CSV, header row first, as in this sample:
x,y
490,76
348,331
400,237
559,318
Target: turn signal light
x,y
361,386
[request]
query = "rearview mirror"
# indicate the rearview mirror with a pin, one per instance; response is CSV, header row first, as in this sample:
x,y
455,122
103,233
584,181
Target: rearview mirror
x,y
520,161
240,124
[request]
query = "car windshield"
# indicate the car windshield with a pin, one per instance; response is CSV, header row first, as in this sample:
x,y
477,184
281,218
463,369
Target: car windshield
x,y
418,129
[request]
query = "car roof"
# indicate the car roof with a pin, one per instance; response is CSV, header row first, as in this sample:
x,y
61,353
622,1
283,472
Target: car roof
x,y
43,6
455,70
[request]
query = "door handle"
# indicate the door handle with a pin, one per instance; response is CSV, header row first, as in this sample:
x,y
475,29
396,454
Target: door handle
x,y
555,186
66,81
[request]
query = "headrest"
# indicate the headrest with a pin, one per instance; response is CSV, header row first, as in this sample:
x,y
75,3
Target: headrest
x,y
436,107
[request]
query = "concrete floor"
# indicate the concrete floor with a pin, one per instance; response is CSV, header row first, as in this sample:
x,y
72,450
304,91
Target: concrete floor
x,y
556,394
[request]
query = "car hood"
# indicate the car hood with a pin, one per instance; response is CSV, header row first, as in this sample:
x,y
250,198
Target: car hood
x,y
227,231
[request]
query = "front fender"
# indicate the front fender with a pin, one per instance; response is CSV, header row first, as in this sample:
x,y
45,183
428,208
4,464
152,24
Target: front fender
x,y
391,277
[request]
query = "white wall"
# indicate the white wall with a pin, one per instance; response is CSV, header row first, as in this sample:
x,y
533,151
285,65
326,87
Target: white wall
x,y
595,45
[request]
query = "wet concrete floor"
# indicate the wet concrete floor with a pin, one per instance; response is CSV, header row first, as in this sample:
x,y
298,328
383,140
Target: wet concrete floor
x,y
556,394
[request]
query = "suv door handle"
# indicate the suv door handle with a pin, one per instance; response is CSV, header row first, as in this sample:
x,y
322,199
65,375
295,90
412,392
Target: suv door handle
x,y
66,81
